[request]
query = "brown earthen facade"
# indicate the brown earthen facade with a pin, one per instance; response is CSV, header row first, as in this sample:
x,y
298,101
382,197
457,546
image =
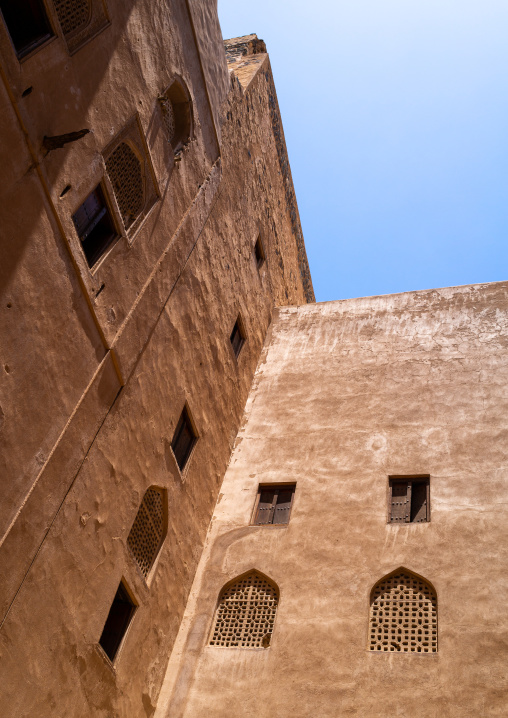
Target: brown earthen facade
x,y
138,173
347,396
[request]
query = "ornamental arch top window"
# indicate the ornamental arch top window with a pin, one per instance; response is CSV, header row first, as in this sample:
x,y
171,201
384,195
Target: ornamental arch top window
x,y
245,614
149,529
130,173
403,614
73,15
176,110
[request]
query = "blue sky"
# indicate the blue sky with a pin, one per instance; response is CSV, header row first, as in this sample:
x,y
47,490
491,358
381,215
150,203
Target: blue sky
x,y
395,114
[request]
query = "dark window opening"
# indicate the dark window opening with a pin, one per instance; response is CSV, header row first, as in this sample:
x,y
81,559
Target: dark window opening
x,y
409,500
274,504
118,620
27,23
94,226
259,252
237,337
184,439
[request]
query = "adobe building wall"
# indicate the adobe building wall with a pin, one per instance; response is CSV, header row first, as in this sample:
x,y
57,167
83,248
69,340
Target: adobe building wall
x,y
346,395
96,365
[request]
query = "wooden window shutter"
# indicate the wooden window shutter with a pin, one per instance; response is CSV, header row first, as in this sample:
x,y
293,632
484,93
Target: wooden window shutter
x,y
400,501
282,507
419,501
266,505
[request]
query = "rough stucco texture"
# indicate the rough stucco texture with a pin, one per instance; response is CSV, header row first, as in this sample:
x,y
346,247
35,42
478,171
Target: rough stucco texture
x,y
347,394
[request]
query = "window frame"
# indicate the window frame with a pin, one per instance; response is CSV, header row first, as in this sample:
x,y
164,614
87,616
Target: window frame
x,y
185,412
123,585
410,480
35,46
243,337
284,486
113,219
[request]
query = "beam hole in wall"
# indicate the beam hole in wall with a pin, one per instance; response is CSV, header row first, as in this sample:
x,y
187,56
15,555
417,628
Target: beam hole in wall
x,y
66,189
27,92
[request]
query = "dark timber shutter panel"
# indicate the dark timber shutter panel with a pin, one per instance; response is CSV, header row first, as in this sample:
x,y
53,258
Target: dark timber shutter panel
x,y
283,506
265,507
419,502
400,508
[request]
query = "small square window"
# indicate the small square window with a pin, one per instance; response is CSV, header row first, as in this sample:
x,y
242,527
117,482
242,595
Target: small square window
x,y
27,23
94,226
118,620
237,337
409,500
273,504
259,252
184,439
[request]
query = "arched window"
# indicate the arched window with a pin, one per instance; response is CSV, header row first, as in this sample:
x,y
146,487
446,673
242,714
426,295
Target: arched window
x,y
149,529
175,104
126,175
246,612
73,15
403,614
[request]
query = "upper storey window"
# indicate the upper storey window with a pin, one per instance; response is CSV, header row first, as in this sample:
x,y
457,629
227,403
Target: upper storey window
x,y
177,115
184,439
73,15
94,226
148,530
409,500
27,23
273,505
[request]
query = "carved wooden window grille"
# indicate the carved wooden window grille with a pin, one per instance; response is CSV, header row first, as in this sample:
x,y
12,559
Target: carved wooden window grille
x,y
246,612
147,532
73,15
403,615
409,500
176,111
126,175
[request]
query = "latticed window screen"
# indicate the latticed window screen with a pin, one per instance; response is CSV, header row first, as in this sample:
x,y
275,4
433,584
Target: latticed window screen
x,y
126,175
73,15
246,612
147,531
168,114
403,615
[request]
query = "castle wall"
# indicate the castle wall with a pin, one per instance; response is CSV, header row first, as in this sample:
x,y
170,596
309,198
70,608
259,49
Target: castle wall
x,y
346,395
96,364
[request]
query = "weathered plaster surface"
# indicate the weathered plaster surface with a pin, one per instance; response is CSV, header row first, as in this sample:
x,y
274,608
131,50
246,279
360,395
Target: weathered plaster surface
x,y
96,366
346,394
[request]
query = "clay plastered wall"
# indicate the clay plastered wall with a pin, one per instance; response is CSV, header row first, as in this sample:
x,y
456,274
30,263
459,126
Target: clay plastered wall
x,y
65,562
347,394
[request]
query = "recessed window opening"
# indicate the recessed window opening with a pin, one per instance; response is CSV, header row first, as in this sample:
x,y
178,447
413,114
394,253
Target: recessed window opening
x,y
403,615
94,226
184,439
27,23
259,252
273,504
245,615
409,500
237,337
177,115
148,530
118,620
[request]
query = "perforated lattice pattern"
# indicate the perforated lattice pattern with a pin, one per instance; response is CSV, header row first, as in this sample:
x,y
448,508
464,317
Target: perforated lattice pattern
x,y
168,114
147,531
403,615
73,15
125,172
246,613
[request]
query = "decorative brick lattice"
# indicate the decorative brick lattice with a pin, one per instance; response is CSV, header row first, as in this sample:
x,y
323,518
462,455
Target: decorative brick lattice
x,y
126,175
403,615
147,531
73,15
168,115
246,613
